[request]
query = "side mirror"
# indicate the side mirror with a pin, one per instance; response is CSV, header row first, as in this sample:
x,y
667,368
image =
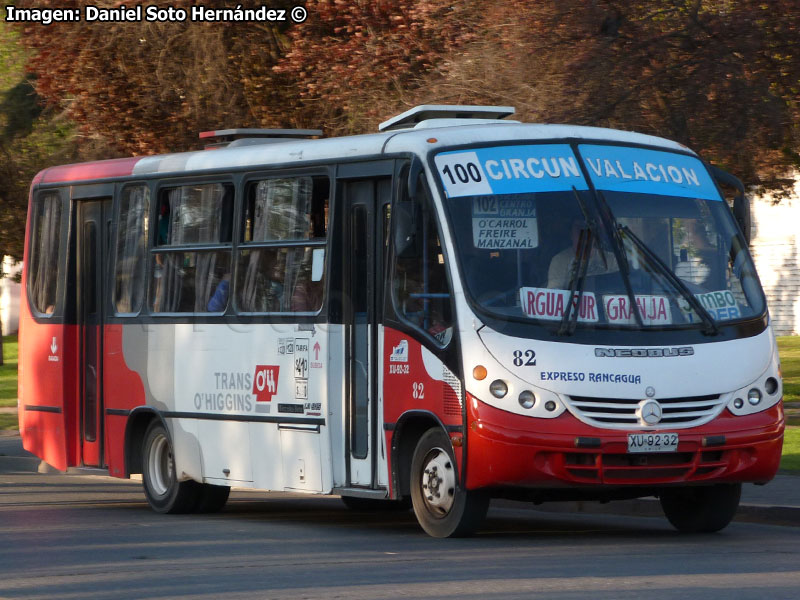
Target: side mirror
x,y
741,204
405,216
414,171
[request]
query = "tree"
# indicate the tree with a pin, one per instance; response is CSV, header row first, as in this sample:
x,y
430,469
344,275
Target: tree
x,y
718,75
152,87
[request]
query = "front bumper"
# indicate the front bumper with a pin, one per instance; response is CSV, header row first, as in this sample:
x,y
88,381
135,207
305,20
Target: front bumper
x,y
507,450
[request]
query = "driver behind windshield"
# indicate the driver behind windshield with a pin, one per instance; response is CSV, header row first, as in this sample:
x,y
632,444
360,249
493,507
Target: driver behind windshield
x,y
564,265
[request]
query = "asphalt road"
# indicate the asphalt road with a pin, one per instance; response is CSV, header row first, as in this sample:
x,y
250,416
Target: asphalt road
x,y
86,536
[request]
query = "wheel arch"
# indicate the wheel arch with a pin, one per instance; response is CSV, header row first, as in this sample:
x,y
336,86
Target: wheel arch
x,y
138,422
408,430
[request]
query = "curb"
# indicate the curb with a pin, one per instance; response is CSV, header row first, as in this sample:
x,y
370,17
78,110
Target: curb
x,y
650,507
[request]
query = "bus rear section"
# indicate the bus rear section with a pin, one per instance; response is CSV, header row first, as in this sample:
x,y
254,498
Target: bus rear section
x,y
61,334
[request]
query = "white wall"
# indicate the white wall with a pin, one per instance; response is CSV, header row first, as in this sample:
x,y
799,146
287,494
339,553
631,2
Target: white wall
x,y
9,297
774,245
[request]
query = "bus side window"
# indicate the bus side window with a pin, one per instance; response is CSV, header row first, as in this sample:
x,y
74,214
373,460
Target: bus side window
x,y
184,279
134,215
45,243
419,279
284,237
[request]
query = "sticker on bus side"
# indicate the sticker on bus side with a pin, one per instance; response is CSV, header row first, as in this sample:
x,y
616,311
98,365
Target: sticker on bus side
x,y
509,170
625,169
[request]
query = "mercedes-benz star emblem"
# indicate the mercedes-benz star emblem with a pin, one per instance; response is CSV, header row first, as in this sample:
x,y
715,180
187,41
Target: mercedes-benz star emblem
x,y
649,412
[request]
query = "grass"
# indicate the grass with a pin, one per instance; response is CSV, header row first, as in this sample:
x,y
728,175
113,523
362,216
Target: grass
x,y
8,421
8,372
790,461
789,348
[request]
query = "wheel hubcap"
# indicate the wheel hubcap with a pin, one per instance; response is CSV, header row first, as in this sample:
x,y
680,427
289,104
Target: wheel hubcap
x,y
438,482
161,465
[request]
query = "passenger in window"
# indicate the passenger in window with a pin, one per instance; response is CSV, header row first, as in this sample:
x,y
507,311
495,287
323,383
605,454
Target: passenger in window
x,y
270,297
307,294
163,223
219,300
692,263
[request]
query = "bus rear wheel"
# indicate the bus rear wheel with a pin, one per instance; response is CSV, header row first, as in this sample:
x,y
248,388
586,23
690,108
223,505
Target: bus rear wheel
x,y
164,492
702,509
442,507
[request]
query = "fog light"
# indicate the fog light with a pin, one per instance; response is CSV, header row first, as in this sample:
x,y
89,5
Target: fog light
x,y
738,403
527,399
498,388
479,372
550,405
771,385
754,396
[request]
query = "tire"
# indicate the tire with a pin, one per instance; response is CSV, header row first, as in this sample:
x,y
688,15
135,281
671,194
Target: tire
x,y
372,504
164,492
703,509
212,498
442,507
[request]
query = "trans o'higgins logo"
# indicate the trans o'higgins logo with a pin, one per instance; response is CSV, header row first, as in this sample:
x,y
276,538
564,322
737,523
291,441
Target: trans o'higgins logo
x,y
643,352
265,382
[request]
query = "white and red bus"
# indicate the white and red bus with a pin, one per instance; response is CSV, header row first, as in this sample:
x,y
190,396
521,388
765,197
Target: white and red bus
x,y
457,308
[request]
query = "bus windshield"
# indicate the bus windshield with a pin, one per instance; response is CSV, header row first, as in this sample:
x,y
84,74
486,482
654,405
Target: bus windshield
x,y
653,245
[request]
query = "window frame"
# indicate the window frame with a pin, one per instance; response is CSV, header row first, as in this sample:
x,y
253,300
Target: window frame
x,y
429,207
162,187
60,272
240,246
116,224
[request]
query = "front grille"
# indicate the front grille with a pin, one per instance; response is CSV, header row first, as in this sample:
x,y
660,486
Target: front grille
x,y
654,468
618,413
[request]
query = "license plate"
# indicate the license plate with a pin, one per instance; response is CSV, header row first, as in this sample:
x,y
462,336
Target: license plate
x,y
652,442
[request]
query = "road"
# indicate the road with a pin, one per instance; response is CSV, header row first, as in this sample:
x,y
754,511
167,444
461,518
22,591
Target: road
x,y
89,536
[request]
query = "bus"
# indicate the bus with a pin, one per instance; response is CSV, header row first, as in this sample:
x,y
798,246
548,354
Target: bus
x,y
456,308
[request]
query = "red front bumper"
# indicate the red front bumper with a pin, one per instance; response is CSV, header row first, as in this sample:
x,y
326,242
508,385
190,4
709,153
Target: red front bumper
x,y
508,450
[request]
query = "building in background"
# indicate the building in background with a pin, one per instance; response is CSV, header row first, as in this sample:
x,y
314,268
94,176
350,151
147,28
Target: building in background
x,y
9,296
774,245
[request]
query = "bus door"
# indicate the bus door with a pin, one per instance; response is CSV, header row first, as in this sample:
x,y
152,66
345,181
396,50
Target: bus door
x,y
91,251
366,205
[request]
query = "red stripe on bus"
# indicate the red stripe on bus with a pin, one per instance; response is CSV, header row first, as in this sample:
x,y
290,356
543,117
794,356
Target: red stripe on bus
x,y
102,169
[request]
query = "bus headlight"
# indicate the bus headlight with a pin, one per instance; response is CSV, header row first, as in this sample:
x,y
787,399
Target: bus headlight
x,y
527,399
754,396
498,388
771,385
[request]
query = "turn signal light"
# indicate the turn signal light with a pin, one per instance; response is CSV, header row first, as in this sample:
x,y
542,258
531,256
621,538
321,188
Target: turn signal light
x,y
479,373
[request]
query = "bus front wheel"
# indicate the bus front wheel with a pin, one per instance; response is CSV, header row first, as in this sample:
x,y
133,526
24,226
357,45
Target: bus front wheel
x,y
164,492
442,507
702,509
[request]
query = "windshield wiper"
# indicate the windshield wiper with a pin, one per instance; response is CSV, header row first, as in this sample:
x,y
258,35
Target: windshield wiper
x,y
710,326
570,318
621,256
585,241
